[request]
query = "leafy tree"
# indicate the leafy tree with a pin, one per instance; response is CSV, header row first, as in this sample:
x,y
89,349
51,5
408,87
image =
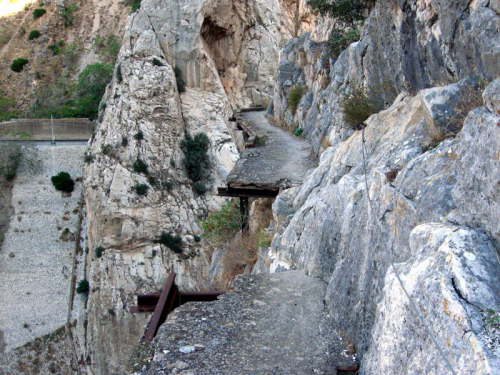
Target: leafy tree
x,y
349,16
91,86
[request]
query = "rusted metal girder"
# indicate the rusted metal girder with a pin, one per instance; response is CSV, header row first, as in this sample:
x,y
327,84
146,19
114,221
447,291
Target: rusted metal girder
x,y
162,308
163,303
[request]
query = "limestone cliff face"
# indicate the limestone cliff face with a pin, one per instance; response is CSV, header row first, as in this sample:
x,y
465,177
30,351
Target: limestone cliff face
x,y
431,208
404,46
222,50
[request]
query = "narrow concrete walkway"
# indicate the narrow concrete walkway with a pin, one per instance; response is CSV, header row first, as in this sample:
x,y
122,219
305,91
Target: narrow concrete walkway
x,y
36,258
269,324
283,160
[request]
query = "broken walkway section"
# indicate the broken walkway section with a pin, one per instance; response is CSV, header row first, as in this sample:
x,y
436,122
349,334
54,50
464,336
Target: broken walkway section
x,y
269,324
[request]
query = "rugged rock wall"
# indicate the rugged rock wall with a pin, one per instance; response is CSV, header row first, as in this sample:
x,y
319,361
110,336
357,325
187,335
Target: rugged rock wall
x,y
405,46
222,49
328,226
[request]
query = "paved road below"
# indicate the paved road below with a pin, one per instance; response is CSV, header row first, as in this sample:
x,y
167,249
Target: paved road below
x,y
269,324
283,160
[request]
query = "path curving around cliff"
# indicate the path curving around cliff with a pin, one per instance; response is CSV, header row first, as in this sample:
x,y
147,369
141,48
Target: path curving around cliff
x,y
278,160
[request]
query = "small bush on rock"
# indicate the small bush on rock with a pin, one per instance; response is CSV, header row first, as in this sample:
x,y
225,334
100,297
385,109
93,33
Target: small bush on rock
x,y
141,189
134,4
37,13
357,106
200,188
294,97
63,182
18,64
83,287
99,251
34,34
222,224
196,157
139,136
173,242
140,166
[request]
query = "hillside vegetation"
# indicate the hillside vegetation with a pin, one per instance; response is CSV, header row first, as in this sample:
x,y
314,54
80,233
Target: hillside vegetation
x,y
60,44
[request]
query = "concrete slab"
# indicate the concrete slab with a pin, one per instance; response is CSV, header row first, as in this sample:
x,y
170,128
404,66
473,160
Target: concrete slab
x,y
269,324
35,264
284,160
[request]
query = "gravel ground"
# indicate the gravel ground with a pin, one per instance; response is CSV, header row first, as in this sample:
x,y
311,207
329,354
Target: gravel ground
x,y
35,262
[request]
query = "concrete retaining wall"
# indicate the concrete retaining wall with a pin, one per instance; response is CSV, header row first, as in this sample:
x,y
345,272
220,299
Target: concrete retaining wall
x,y
41,129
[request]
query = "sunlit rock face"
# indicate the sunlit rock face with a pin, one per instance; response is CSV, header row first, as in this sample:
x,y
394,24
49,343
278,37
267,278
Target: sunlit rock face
x,y
226,53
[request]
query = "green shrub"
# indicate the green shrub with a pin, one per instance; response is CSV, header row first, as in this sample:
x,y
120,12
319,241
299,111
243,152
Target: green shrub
x,y
140,166
357,106
68,16
294,97
345,12
21,31
38,75
99,251
260,141
197,238
200,188
196,158
18,64
55,49
7,108
349,16
34,34
298,132
141,189
181,85
167,184
134,4
83,287
10,159
119,77
63,182
37,13
88,158
124,141
91,86
340,39
173,242
222,224
106,149
139,136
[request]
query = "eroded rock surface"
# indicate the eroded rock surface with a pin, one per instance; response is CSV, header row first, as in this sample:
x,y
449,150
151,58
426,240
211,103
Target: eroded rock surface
x,y
457,269
328,226
405,46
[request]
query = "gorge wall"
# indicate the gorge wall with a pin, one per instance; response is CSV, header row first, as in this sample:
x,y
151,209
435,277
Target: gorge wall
x,y
400,191
226,53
